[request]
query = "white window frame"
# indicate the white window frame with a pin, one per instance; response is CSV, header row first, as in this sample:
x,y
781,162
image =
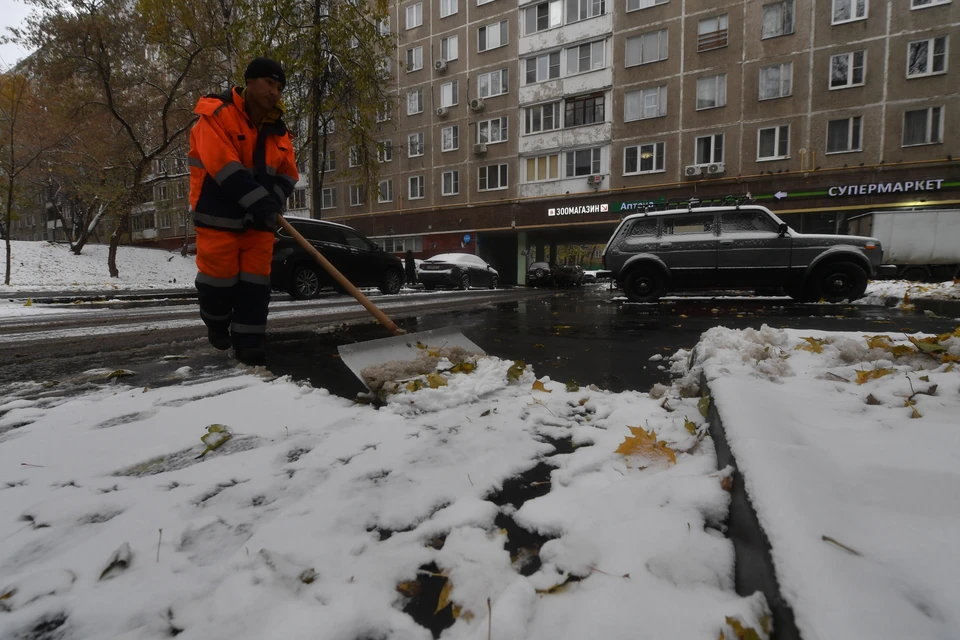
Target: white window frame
x,y
357,196
448,8
851,59
454,177
416,188
483,175
417,96
548,66
853,11
554,16
713,148
179,192
914,4
658,151
354,158
663,47
551,159
931,46
719,82
596,162
383,26
328,198
164,220
595,49
453,136
298,194
450,48
938,118
580,10
486,82
722,26
529,114
328,163
502,31
637,5
788,19
655,97
415,145
385,195
781,93
482,2
160,193
385,151
449,94
502,133
850,127
414,59
414,18
780,133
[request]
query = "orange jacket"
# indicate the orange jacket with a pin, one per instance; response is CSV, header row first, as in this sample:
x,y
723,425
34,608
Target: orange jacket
x,y
239,177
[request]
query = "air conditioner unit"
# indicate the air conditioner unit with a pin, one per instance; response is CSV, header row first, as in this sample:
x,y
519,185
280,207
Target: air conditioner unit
x,y
442,111
479,148
477,104
440,65
693,170
716,168
594,179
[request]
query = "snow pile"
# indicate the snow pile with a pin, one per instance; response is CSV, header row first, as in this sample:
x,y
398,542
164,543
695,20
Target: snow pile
x,y
308,516
849,446
47,266
902,291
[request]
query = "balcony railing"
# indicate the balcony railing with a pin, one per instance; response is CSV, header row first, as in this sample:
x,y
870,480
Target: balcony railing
x,y
712,40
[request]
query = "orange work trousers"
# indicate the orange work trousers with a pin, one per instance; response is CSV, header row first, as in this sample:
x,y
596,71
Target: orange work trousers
x,y
233,282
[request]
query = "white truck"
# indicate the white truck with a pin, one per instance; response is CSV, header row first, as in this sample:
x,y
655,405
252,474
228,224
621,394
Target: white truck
x,y
921,245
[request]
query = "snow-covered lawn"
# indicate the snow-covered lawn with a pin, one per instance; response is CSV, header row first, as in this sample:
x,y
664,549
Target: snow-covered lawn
x,y
46,266
488,503
903,291
850,449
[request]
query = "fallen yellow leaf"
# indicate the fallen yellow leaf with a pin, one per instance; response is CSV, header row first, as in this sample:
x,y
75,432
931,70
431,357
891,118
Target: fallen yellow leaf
x,y
902,350
691,427
538,386
873,374
435,380
444,600
814,345
645,443
879,342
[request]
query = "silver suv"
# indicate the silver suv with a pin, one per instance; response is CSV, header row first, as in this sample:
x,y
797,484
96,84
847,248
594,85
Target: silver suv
x,y
736,247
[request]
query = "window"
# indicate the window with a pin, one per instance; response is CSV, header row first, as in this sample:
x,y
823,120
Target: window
x,y
160,193
646,48
583,9
383,26
921,4
746,222
328,161
712,92
492,84
849,10
330,126
584,162
163,218
633,5
450,184
686,224
480,2
180,192
924,126
415,102
543,168
450,48
415,15
644,158
414,59
415,145
161,165
927,57
492,131
298,199
847,69
354,157
543,117
773,143
710,149
328,198
777,19
450,138
712,33
588,110
586,57
356,195
448,8
543,16
415,188
492,177
492,36
385,151
354,42
776,81
646,103
385,63
449,94
541,68
383,112
385,191
844,135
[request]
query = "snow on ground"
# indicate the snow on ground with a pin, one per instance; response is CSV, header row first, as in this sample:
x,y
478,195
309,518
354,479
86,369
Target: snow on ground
x,y
317,518
880,291
857,486
47,266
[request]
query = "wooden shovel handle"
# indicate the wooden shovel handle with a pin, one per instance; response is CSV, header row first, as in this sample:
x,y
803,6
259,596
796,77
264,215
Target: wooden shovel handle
x,y
346,284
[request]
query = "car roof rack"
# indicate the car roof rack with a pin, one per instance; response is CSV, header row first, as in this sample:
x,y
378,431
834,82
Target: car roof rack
x,y
691,203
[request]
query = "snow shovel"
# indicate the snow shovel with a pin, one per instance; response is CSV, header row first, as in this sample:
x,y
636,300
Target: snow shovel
x,y
402,346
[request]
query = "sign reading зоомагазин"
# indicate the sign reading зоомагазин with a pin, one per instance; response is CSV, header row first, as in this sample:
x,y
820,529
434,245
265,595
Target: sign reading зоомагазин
x,y
570,211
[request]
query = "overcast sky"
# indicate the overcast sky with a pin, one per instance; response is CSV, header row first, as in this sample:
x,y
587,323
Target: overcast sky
x,y
12,14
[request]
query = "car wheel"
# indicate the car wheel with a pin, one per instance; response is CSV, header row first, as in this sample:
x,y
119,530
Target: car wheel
x,y
305,283
918,274
839,281
645,284
464,281
538,274
494,282
392,281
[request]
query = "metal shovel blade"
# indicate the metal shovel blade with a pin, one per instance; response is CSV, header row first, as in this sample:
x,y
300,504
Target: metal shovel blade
x,y
360,355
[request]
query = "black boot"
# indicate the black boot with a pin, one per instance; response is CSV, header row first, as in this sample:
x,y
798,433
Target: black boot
x,y
252,356
219,338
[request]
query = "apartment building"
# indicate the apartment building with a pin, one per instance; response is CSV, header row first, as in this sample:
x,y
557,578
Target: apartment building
x,y
543,121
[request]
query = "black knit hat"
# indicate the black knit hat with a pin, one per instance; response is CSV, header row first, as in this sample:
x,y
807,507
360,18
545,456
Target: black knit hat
x,y
265,68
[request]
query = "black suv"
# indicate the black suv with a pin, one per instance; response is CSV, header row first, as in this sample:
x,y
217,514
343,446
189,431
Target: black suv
x,y
360,260
737,247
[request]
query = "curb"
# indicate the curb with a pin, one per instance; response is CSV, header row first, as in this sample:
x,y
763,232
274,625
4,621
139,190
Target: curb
x,y
945,308
753,563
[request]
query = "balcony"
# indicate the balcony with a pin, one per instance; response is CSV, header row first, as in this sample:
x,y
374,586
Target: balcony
x,y
572,85
575,137
713,40
576,32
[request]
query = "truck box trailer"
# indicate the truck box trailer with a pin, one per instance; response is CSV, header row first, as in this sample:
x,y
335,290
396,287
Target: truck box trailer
x,y
923,244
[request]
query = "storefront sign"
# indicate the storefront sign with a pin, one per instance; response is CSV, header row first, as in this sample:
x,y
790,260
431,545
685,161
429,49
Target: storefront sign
x,y
886,187
571,211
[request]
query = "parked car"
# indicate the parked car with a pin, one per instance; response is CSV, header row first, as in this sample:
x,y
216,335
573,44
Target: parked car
x,y
540,273
458,270
745,247
360,260
551,274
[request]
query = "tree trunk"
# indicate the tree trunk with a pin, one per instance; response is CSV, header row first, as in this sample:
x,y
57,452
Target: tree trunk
x,y
88,229
122,225
8,218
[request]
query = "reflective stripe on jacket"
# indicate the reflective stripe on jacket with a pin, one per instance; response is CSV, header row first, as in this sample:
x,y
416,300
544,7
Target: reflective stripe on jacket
x,y
239,177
